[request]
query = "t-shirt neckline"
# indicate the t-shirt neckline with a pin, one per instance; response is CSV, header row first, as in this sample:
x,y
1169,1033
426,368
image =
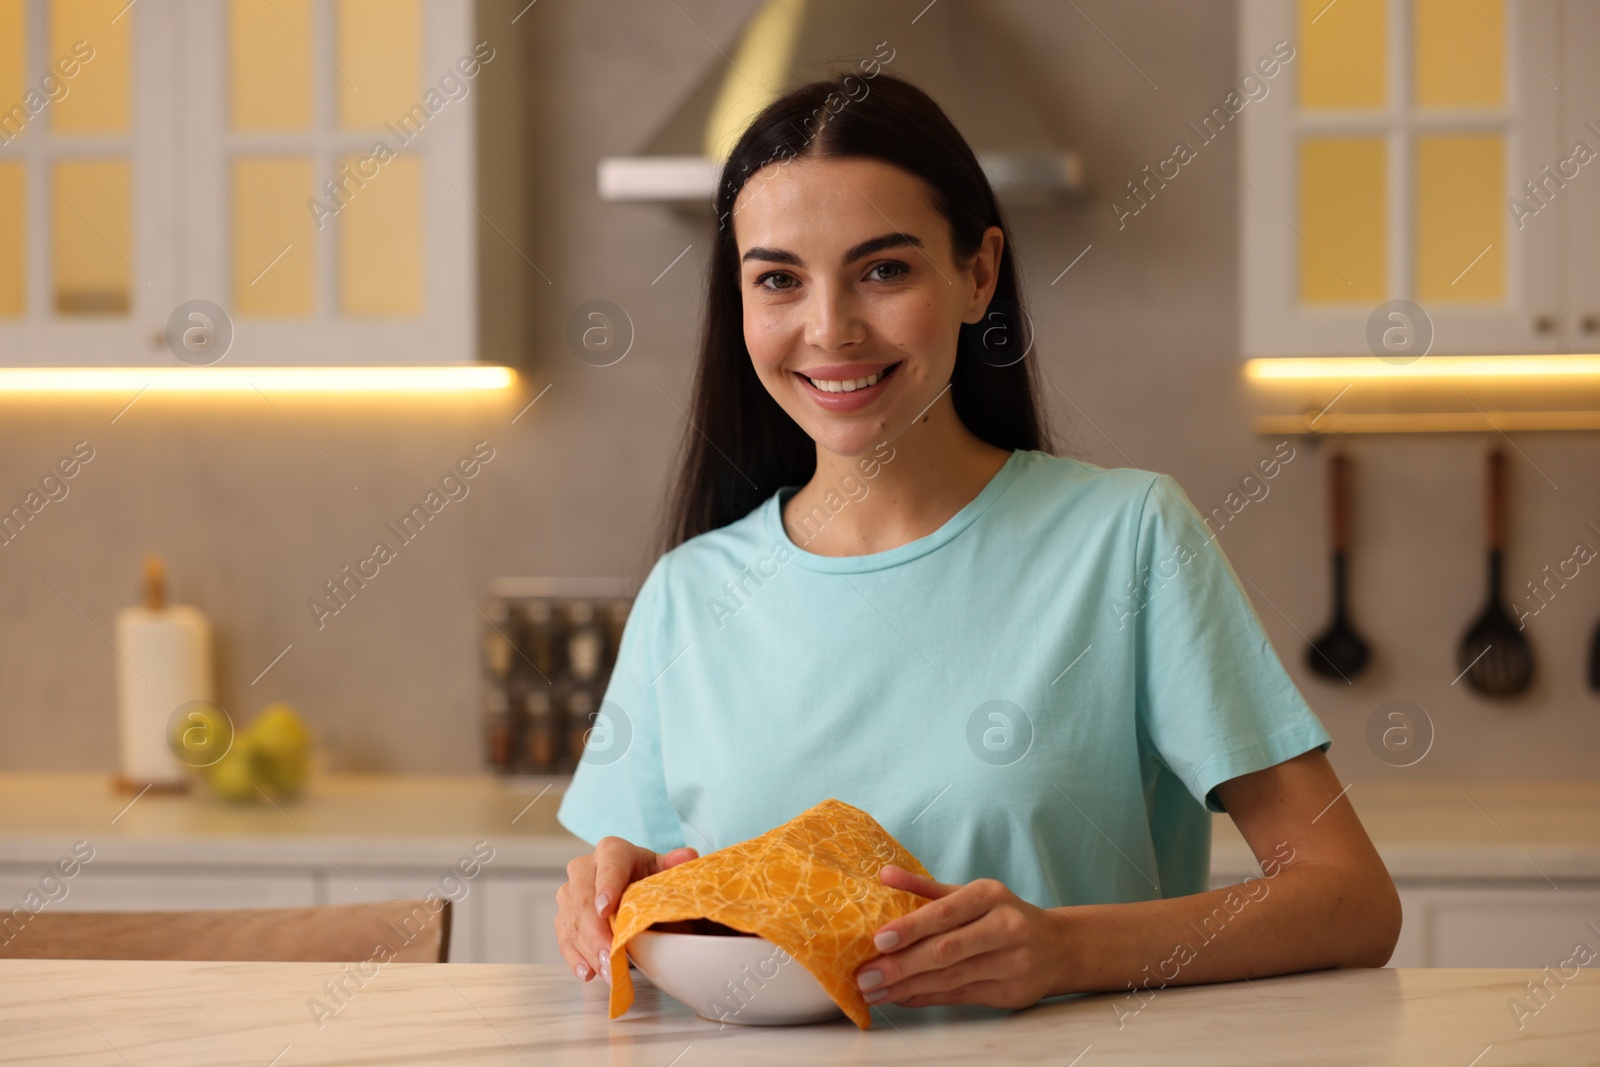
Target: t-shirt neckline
x,y
911,550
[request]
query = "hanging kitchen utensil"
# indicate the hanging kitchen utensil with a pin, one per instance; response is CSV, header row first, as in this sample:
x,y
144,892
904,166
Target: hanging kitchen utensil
x,y
1495,655
1339,652
1594,660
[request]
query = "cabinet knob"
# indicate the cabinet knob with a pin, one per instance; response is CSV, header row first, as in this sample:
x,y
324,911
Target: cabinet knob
x,y
1544,324
1590,323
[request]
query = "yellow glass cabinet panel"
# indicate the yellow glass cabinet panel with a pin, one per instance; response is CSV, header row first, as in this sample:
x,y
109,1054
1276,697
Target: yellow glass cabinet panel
x,y
13,65
1460,218
1460,53
1343,54
1344,219
101,96
273,238
13,240
269,64
92,238
379,60
380,242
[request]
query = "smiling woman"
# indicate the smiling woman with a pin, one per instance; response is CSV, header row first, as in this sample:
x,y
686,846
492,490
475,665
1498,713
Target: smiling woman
x,y
947,653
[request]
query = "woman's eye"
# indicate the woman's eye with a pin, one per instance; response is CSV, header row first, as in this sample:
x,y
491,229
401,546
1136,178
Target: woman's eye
x,y
761,281
898,270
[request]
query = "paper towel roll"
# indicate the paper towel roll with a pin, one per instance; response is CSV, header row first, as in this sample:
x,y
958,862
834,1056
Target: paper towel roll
x,y
165,662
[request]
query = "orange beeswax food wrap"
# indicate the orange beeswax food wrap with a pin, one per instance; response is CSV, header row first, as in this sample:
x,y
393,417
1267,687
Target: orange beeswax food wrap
x,y
809,886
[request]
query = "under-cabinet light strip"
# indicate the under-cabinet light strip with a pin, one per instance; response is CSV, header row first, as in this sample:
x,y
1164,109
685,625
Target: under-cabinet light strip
x,y
1369,368
418,379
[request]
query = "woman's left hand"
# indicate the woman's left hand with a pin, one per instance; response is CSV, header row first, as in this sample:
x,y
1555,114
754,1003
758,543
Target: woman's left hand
x,y
977,943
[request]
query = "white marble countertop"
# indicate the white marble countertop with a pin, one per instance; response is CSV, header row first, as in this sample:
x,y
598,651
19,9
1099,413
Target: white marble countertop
x,y
77,1012
1425,829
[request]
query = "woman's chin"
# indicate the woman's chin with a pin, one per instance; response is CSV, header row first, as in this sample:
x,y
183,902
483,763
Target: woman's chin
x,y
857,438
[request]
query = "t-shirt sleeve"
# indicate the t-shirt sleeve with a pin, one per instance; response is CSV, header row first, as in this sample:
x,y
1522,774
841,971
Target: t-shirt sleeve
x,y
1213,699
619,787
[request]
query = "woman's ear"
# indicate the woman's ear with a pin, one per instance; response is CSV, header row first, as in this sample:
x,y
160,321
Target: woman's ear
x,y
985,271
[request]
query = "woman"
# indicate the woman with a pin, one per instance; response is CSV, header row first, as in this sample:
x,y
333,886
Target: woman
x,y
1036,673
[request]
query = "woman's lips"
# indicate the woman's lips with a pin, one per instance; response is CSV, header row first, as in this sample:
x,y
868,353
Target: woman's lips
x,y
853,400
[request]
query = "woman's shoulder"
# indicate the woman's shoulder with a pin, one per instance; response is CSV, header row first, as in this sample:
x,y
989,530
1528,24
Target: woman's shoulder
x,y
1070,481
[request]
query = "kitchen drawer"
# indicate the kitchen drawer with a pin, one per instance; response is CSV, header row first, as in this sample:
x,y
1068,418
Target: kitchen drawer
x,y
466,925
1513,926
113,888
519,916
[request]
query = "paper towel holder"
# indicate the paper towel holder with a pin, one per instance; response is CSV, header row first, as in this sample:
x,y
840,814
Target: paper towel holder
x,y
154,596
155,582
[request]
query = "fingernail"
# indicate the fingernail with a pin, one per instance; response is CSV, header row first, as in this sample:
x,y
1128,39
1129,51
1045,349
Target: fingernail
x,y
877,995
605,968
868,979
582,971
886,940
600,904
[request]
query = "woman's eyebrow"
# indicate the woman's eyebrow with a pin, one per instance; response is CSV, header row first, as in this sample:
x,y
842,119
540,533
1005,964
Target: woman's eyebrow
x,y
865,248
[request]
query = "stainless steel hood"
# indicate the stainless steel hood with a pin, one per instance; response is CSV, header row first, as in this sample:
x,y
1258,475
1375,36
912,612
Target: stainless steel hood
x,y
941,46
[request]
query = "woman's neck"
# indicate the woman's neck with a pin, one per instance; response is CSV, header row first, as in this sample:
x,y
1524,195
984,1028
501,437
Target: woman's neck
x,y
896,493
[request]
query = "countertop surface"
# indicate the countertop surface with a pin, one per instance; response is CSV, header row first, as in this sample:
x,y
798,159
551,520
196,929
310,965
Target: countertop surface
x,y
1423,828
253,1014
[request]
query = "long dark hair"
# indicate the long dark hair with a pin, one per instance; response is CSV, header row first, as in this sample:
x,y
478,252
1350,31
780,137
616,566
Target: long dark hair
x,y
742,446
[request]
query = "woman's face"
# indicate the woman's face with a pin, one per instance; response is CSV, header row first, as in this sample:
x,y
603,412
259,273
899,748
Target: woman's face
x,y
853,300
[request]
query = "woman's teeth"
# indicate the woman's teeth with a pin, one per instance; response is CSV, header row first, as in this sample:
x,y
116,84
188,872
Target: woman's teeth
x,y
850,386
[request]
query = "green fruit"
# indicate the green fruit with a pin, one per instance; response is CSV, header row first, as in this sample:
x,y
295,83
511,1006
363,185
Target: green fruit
x,y
232,777
282,748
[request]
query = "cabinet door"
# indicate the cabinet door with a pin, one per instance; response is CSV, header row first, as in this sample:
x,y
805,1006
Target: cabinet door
x,y
466,941
1381,164
1515,926
519,918
1580,126
329,176
87,258
304,164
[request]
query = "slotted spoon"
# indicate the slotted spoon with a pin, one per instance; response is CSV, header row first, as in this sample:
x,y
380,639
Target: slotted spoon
x,y
1495,655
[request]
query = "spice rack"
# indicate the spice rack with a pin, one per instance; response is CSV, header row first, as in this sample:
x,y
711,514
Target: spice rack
x,y
548,646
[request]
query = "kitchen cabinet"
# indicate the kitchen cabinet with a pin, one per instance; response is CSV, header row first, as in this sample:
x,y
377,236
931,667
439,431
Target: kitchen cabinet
x,y
1387,162
303,166
521,910
1487,922
1505,925
1581,122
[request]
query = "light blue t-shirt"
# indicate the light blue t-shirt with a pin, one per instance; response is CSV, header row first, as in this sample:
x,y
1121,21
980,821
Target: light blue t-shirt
x,y
1045,690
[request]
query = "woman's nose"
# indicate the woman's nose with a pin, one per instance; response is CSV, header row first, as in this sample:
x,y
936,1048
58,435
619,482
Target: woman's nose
x,y
833,319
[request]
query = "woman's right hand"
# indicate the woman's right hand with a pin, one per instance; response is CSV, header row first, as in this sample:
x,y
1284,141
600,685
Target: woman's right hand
x,y
588,898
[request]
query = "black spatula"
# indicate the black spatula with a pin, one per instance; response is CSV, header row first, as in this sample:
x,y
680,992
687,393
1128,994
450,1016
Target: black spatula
x,y
1339,652
1594,660
1495,655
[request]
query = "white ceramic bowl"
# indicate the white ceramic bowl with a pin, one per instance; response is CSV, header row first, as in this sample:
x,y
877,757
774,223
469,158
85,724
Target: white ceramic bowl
x,y
732,979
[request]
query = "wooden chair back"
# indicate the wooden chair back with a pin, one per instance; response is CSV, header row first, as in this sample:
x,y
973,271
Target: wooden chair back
x,y
402,931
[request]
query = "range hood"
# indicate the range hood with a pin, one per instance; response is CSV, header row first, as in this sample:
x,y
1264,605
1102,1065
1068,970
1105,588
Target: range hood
x,y
941,46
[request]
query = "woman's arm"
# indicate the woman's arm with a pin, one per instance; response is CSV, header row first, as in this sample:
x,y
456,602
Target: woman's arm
x,y
1325,900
